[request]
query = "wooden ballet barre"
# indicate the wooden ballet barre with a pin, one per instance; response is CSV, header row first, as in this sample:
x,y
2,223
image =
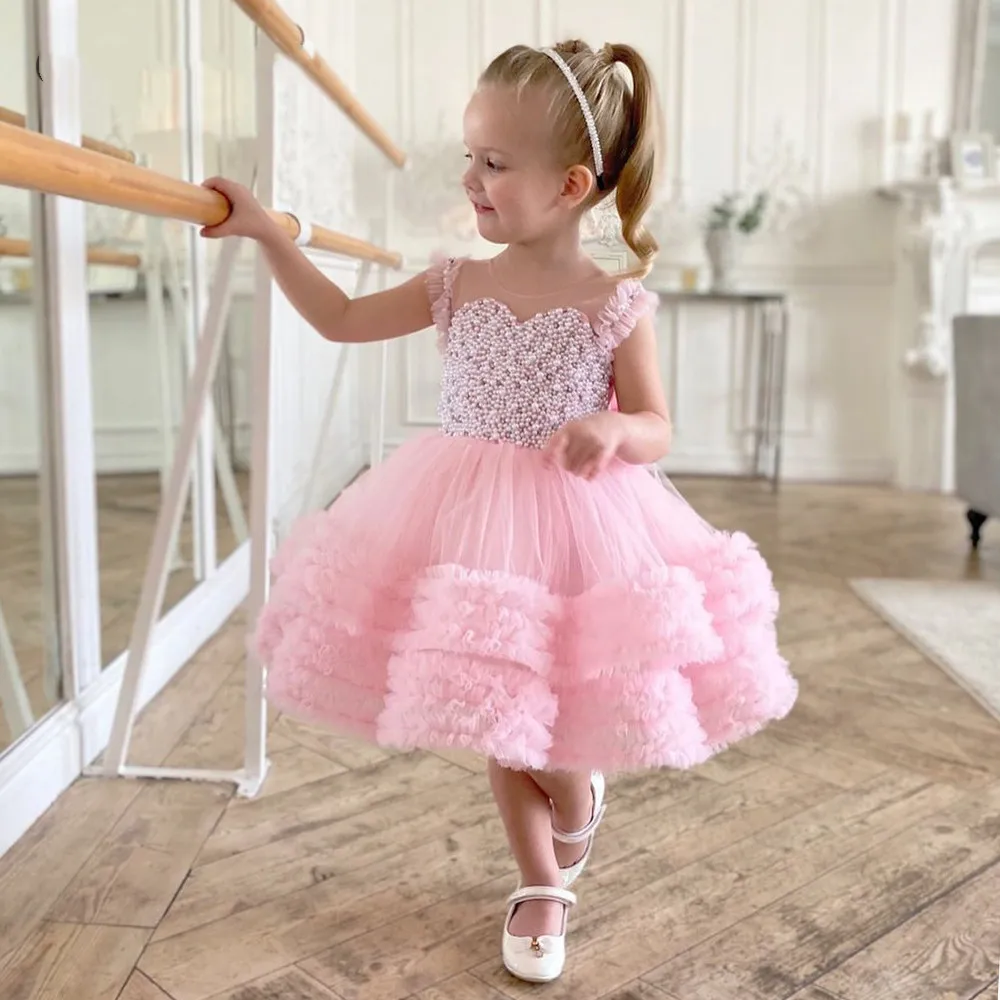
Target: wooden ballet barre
x,y
291,39
36,162
95,255
9,117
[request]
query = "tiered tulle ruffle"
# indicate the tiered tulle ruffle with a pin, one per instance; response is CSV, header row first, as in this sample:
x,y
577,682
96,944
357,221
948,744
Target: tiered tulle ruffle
x,y
466,594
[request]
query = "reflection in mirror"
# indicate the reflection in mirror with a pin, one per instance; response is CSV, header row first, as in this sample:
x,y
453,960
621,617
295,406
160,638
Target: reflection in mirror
x,y
30,675
990,102
136,334
229,118
140,343
232,438
143,332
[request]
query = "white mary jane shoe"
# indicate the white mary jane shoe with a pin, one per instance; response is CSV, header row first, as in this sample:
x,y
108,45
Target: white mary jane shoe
x,y
574,871
536,959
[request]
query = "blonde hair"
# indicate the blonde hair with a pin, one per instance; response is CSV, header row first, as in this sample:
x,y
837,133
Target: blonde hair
x,y
627,121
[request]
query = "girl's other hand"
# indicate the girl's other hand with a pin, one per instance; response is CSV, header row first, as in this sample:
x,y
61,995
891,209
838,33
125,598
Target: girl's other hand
x,y
247,216
586,447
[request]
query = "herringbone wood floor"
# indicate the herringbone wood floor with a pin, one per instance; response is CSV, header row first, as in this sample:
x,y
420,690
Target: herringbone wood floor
x,y
851,852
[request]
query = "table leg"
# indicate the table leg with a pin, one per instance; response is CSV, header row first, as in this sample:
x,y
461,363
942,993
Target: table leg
x,y
760,321
780,375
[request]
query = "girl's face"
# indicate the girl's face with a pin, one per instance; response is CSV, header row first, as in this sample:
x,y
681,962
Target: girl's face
x,y
519,190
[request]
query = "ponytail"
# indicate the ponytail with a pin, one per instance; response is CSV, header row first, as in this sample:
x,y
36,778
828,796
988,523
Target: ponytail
x,y
637,178
626,120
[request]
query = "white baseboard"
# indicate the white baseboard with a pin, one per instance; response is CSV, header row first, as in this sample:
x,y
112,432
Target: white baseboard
x,y
51,757
794,468
838,469
35,772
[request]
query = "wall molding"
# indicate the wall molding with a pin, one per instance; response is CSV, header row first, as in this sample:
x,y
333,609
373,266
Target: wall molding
x,y
819,132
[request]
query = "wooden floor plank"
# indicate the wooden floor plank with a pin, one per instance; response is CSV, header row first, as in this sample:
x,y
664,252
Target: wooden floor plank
x,y
287,984
680,830
36,871
296,766
255,942
951,947
817,993
729,767
422,949
215,739
163,724
71,962
261,821
326,851
638,991
133,876
812,929
463,987
348,753
845,770
139,987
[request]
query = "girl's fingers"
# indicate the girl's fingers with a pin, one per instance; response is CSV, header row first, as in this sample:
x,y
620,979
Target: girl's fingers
x,y
575,458
555,449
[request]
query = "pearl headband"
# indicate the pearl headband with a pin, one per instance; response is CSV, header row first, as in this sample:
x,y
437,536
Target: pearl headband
x,y
588,115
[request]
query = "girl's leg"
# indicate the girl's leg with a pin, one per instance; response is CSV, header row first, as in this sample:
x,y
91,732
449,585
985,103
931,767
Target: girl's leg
x,y
527,818
572,808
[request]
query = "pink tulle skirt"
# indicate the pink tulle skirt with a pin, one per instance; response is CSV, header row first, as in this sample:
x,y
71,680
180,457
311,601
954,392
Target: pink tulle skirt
x,y
466,594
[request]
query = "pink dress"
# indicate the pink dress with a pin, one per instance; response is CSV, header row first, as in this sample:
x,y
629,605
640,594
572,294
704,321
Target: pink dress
x,y
467,594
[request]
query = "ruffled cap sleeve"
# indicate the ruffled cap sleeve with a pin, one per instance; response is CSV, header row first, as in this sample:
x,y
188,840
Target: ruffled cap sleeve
x,y
629,303
441,277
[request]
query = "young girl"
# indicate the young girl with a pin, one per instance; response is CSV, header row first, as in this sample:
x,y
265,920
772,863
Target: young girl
x,y
519,584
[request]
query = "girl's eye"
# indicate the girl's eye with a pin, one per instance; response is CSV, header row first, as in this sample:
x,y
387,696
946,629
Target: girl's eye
x,y
468,156
493,166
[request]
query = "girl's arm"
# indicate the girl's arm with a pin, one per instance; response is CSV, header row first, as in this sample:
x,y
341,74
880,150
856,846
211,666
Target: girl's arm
x,y
646,429
334,314
395,312
639,432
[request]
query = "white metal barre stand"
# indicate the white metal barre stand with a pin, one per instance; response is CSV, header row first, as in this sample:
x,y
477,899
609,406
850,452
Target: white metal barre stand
x,y
167,525
223,468
248,779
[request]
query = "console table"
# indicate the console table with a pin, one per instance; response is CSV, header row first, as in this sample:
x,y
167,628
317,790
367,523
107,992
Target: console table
x,y
769,318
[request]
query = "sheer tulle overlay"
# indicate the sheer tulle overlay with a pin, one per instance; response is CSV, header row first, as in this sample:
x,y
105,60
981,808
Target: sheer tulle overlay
x,y
467,594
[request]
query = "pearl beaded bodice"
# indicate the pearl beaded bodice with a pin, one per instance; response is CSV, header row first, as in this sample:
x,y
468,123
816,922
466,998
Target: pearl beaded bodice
x,y
519,381
504,380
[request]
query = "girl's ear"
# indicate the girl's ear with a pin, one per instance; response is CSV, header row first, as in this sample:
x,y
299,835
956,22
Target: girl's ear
x,y
577,186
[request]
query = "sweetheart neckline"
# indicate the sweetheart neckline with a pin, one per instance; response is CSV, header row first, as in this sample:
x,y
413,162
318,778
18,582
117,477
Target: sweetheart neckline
x,y
523,322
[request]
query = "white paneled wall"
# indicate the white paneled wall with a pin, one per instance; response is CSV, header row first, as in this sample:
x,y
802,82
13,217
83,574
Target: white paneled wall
x,y
314,152
799,91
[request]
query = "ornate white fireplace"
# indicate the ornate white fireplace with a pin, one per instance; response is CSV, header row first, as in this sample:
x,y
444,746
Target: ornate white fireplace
x,y
948,249
942,232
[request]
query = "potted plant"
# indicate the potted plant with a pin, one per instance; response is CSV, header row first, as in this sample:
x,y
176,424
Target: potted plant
x,y
731,217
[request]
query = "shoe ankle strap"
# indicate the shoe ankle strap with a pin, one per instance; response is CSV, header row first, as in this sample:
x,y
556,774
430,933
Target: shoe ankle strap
x,y
579,836
543,892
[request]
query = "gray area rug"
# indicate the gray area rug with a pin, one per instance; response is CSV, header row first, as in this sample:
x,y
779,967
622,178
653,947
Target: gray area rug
x,y
954,623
